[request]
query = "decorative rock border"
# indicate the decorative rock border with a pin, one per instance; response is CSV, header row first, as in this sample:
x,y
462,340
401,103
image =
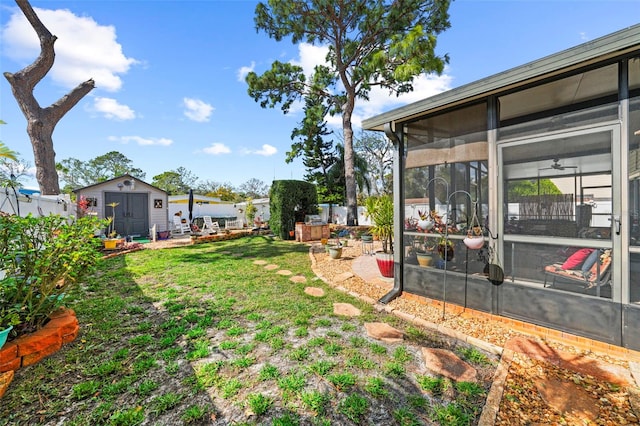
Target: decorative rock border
x,y
27,350
221,236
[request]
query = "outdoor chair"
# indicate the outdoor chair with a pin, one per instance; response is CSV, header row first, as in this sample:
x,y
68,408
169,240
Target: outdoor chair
x,y
588,274
180,226
209,225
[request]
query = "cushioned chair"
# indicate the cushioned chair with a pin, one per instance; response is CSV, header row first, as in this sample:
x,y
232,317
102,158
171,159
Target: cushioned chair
x,y
592,270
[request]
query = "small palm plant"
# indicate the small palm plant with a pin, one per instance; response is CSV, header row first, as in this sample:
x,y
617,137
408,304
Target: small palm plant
x,y
111,232
380,211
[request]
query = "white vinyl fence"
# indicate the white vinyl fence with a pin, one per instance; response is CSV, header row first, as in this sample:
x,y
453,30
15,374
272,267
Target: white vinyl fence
x,y
35,204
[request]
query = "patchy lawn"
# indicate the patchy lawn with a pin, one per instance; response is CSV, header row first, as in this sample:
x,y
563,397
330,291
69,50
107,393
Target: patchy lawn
x,y
203,335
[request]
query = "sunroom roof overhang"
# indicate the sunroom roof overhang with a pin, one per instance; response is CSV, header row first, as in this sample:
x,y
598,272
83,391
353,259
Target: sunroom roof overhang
x,y
611,46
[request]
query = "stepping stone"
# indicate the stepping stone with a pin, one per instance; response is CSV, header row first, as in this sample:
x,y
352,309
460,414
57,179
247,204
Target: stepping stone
x,y
383,331
346,309
298,279
260,262
237,254
314,291
284,272
225,252
343,276
271,267
569,399
5,381
448,364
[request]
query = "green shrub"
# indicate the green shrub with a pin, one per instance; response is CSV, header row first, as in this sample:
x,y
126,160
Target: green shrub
x,y
42,258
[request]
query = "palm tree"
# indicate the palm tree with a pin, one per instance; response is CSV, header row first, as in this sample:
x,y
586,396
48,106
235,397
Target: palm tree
x,y
336,171
5,152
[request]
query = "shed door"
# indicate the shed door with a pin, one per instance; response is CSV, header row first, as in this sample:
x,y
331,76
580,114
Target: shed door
x,y
131,214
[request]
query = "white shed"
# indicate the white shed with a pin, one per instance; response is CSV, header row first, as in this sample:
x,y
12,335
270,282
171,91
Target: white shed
x,y
140,206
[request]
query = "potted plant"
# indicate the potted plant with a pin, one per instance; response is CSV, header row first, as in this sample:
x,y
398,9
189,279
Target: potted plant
x,y
380,211
424,250
9,316
111,241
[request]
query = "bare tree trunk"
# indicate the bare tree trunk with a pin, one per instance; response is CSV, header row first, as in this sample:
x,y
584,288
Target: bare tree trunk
x,y
41,122
349,163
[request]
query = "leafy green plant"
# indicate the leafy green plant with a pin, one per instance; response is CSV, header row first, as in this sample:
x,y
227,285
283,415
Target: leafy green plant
x,y
375,386
380,211
354,407
193,414
268,371
342,381
259,403
42,258
315,401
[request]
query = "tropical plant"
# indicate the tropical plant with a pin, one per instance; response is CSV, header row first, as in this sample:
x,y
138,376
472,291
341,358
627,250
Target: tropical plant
x,y
41,258
380,211
111,233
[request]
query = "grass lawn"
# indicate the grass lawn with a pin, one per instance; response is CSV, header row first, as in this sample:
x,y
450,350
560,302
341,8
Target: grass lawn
x,y
203,335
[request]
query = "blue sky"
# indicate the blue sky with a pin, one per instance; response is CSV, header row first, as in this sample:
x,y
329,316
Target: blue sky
x,y
170,90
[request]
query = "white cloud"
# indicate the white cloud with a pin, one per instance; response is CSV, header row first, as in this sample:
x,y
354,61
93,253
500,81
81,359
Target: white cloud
x,y
310,56
84,48
266,150
243,71
380,100
111,109
197,110
217,148
141,141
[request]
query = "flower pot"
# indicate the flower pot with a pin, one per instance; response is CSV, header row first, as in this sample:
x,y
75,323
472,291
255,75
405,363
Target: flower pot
x,y
110,243
4,334
324,241
335,252
473,243
425,224
292,233
164,235
424,259
385,263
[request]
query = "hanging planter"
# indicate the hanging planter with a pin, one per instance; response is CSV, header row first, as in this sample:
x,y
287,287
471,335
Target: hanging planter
x,y
474,239
473,242
425,224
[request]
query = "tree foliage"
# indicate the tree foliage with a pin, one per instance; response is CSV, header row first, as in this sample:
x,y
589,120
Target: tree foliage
x,y
253,188
528,187
370,43
77,174
224,191
377,152
175,182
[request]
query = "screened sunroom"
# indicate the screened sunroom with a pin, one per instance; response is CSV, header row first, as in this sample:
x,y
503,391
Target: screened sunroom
x,y
543,163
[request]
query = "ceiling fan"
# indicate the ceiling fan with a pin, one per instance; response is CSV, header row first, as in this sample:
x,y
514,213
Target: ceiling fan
x,y
557,166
